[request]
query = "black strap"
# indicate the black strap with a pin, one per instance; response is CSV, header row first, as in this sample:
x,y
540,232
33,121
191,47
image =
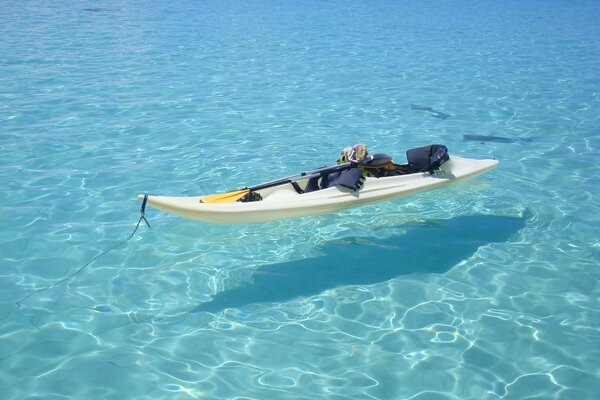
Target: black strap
x,y
297,188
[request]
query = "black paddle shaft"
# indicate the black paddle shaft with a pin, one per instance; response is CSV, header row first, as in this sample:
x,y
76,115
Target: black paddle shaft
x,y
372,161
304,175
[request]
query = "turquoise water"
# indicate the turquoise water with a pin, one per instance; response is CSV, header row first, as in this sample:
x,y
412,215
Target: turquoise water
x,y
485,290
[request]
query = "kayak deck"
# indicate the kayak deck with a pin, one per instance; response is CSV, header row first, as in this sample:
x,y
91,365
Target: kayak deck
x,y
283,202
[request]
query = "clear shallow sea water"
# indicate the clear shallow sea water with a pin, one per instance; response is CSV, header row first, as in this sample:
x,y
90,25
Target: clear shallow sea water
x,y
485,290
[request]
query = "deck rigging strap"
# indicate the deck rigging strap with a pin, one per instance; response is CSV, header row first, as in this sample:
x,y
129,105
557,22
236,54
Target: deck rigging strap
x,y
69,277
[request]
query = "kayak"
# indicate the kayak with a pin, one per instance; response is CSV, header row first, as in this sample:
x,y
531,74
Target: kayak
x,y
284,201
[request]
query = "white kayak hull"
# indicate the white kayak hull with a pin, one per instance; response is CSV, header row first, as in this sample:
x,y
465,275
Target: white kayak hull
x,y
283,202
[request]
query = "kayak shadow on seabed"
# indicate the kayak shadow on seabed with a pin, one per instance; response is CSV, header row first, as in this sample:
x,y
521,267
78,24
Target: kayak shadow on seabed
x,y
430,248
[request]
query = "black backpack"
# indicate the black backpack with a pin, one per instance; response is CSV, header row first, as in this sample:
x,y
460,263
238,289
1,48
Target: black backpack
x,y
427,158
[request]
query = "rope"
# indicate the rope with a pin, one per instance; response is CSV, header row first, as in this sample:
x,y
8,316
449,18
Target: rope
x,y
72,275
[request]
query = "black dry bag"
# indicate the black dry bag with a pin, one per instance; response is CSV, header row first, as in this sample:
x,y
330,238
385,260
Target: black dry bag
x,y
427,158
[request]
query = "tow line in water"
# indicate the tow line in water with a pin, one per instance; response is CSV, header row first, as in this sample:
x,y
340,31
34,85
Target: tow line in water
x,y
19,302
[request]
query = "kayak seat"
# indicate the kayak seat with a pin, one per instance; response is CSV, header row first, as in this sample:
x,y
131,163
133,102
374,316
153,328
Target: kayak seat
x,y
312,185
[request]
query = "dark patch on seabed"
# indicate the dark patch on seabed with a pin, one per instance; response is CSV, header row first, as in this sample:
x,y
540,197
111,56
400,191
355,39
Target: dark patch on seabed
x,y
496,139
432,112
99,9
432,248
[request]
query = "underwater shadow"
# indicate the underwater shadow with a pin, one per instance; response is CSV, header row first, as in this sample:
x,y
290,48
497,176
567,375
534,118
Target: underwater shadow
x,y
432,112
100,9
434,247
496,139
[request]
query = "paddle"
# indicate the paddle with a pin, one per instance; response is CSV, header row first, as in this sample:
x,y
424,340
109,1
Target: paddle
x,y
238,194
229,197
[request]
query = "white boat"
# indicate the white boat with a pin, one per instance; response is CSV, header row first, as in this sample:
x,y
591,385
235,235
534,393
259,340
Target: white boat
x,y
282,202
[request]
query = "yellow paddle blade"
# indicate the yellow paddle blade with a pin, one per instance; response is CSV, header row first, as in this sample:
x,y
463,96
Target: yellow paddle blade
x,y
228,197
